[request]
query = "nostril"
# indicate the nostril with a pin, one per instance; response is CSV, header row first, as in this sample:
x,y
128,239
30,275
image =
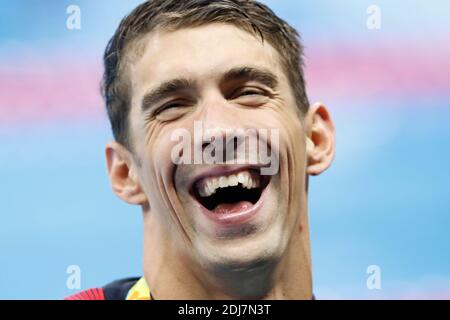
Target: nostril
x,y
204,145
230,147
223,146
212,152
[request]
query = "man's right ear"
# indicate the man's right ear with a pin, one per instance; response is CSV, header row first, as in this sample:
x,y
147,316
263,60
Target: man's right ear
x,y
123,175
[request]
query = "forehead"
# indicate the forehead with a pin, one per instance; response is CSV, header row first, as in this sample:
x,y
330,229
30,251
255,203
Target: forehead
x,y
202,53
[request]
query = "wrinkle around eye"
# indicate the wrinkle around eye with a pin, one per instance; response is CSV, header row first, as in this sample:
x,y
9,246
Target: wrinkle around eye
x,y
252,96
172,113
252,100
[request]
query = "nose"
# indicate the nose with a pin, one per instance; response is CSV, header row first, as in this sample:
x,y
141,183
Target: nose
x,y
224,130
218,114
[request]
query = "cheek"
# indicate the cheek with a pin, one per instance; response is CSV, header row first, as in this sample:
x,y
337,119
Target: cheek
x,y
294,172
290,128
291,152
157,169
153,147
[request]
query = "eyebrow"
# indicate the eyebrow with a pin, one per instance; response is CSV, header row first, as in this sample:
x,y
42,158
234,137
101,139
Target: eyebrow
x,y
262,76
170,87
165,90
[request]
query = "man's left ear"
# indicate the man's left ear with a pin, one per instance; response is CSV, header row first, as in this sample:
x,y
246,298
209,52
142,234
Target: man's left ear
x,y
320,139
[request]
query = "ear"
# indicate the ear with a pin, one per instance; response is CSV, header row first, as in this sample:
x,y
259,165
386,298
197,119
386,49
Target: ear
x,y
123,175
320,139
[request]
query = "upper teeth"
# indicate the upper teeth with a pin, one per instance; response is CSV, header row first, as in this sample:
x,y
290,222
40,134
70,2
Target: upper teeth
x,y
208,186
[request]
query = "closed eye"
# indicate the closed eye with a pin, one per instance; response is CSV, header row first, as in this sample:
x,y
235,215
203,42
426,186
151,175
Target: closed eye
x,y
171,110
247,92
251,97
167,106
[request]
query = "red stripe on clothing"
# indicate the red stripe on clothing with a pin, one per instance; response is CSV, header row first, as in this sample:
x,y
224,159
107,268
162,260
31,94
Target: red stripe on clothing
x,y
90,294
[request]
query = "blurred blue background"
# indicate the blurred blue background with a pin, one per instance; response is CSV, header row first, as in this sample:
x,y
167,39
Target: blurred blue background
x,y
385,201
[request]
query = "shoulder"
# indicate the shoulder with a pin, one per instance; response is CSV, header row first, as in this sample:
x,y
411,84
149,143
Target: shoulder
x,y
116,290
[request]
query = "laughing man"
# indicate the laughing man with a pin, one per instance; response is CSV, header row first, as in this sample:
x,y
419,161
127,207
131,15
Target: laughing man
x,y
198,93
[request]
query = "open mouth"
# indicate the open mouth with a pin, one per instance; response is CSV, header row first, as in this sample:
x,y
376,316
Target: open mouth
x,y
230,193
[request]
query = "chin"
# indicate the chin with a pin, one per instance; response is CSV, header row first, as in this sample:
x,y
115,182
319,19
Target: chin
x,y
243,268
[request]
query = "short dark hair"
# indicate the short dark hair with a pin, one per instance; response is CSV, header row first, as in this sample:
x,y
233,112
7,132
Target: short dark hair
x,y
251,16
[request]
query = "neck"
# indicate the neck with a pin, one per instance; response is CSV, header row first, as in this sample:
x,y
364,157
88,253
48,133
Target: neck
x,y
169,274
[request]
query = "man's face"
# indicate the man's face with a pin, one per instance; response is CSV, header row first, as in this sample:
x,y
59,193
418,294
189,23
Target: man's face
x,y
217,214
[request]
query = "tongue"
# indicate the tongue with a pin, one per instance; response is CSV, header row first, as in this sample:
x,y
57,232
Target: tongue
x,y
225,208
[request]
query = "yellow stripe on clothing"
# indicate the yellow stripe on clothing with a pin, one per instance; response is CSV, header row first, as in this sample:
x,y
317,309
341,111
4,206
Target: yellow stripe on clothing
x,y
139,291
